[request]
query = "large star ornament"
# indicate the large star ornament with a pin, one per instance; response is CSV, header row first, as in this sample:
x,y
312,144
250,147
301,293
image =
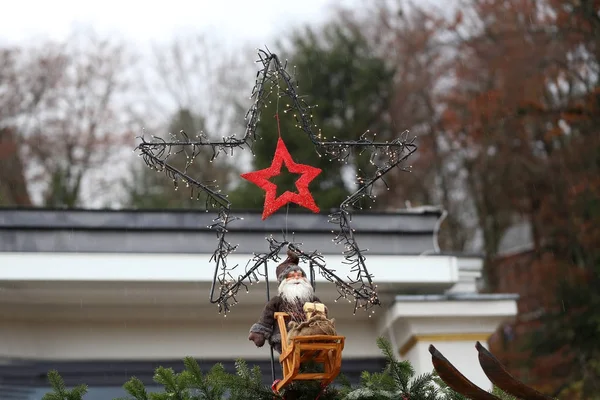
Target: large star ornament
x,y
272,202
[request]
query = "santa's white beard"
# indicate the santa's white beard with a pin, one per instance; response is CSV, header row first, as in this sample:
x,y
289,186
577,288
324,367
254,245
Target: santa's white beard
x,y
292,289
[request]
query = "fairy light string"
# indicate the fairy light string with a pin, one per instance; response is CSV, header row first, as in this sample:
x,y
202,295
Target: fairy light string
x,y
228,279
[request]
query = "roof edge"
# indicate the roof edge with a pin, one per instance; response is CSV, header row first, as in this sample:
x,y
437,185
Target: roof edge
x,y
401,211
457,297
412,222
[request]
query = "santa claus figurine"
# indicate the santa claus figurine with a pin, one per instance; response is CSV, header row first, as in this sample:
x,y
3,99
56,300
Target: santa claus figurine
x,y
294,291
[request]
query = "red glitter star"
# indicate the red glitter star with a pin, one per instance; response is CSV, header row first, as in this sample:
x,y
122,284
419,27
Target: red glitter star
x,y
272,202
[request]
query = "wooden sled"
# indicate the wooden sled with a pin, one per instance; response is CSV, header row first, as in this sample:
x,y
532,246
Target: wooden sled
x,y
321,349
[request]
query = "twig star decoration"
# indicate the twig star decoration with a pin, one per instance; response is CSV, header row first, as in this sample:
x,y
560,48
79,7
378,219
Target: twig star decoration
x,y
272,202
228,280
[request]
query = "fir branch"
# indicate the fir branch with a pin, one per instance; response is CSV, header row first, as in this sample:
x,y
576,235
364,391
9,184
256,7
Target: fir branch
x,y
496,391
207,387
247,384
216,380
77,392
60,391
175,385
57,384
397,381
445,390
370,394
401,372
136,389
343,381
421,387
166,377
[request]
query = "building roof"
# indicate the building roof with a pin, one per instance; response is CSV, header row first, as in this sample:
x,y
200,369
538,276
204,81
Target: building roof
x,y
408,231
417,220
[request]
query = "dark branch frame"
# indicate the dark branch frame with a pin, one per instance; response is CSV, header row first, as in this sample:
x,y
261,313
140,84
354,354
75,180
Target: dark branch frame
x,y
384,155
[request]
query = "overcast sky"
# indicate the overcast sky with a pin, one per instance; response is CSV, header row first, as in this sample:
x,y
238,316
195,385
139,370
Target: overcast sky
x,y
255,22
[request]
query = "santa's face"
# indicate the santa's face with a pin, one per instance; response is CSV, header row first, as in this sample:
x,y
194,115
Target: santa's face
x,y
296,286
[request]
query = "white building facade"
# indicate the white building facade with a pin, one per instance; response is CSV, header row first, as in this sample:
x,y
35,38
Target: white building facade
x,y
105,295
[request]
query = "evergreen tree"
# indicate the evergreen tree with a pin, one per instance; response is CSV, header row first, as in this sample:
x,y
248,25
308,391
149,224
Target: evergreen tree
x,y
337,72
397,381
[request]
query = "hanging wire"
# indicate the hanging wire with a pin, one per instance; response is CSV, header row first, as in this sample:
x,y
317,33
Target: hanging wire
x,y
269,299
312,276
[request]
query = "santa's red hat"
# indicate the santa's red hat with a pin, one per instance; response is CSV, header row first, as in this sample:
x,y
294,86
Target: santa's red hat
x,y
289,265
